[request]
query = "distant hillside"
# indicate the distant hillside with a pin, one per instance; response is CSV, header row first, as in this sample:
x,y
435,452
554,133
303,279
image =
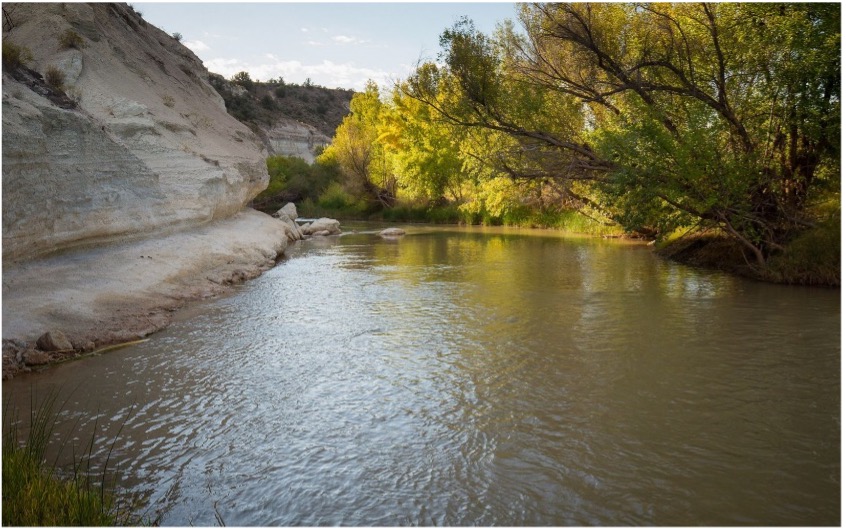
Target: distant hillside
x,y
291,119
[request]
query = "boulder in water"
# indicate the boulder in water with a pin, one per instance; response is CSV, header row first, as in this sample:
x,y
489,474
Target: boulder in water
x,y
332,226
392,232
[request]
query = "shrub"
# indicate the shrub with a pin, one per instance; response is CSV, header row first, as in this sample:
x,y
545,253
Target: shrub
x,y
178,36
168,100
812,257
242,108
268,103
336,198
15,56
243,78
55,78
71,39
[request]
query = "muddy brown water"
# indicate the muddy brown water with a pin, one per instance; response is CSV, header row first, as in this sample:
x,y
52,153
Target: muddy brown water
x,y
474,377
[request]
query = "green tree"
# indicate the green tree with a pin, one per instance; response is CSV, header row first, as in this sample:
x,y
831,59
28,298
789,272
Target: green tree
x,y
243,79
363,161
660,115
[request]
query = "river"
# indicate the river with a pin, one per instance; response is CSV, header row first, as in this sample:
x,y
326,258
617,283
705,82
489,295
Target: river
x,y
467,376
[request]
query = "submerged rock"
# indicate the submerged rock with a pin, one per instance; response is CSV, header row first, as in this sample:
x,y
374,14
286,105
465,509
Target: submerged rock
x,y
392,232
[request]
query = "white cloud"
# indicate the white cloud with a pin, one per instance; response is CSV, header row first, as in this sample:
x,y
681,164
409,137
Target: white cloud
x,y
344,39
304,30
197,46
327,73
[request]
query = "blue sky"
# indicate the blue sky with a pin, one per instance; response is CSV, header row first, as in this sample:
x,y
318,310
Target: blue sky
x,y
335,44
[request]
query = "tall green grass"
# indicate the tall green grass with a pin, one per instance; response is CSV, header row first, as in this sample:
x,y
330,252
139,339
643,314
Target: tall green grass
x,y
37,493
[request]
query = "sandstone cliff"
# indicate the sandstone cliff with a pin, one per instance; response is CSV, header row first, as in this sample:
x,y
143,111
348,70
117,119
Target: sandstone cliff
x,y
150,146
124,191
292,120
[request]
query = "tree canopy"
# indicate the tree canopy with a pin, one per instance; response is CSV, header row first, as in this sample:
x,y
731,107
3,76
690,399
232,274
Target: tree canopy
x,y
723,116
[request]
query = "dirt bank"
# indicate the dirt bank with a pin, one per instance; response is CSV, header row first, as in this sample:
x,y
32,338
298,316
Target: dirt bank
x,y
811,259
122,292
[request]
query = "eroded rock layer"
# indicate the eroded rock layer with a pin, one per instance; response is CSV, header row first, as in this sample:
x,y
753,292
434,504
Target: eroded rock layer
x,y
148,147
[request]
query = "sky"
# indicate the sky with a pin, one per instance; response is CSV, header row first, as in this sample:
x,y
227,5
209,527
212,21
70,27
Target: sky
x,y
337,45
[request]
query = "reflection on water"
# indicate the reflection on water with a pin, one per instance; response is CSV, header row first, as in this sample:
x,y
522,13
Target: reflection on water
x,y
478,377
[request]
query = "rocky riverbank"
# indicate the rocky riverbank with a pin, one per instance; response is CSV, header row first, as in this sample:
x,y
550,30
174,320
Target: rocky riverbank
x,y
113,294
125,182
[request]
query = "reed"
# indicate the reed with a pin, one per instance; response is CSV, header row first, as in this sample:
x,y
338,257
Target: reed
x,y
37,493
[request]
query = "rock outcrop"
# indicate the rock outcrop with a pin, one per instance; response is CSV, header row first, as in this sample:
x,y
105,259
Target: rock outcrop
x,y
148,148
319,227
124,190
295,139
322,227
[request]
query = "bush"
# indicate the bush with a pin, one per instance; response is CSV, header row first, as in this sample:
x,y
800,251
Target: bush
x,y
813,257
71,39
268,103
177,36
55,78
336,198
15,56
242,108
243,78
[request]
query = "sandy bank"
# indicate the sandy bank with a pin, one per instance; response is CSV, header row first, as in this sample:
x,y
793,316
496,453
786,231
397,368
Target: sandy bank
x,y
122,292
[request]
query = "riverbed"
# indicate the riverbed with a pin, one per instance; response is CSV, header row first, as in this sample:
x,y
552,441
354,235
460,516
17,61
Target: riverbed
x,y
466,376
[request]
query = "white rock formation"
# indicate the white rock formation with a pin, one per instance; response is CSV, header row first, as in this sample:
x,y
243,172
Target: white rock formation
x,y
293,138
118,209
150,147
290,209
322,227
288,215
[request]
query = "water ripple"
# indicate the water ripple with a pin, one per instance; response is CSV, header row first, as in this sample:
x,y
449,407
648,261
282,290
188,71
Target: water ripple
x,y
459,378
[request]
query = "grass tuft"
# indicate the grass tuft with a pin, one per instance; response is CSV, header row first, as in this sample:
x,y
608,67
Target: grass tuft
x,y
34,494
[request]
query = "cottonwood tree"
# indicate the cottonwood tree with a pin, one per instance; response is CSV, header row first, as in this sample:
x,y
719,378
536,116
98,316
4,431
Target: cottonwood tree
x,y
363,161
722,115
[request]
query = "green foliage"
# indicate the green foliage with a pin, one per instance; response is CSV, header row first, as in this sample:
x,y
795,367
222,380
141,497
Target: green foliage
x,y
242,108
243,79
267,102
656,116
34,495
293,179
813,257
15,56
177,36
336,202
336,198
362,158
71,39
605,117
